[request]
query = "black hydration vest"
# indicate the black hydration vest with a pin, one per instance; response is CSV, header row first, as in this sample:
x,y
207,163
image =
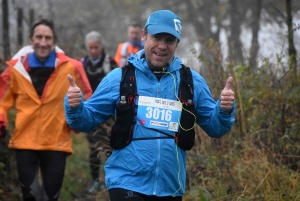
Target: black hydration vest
x,y
122,130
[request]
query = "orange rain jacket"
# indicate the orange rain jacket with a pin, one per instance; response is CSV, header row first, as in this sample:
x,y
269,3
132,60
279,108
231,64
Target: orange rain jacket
x,y
40,122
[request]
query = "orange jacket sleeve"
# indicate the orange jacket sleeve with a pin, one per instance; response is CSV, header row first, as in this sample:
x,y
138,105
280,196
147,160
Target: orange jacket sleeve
x,y
7,98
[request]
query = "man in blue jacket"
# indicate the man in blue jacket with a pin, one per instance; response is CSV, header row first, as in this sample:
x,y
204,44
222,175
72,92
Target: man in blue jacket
x,y
151,165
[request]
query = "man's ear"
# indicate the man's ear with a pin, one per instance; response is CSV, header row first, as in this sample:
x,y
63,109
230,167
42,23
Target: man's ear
x,y
29,38
177,43
144,36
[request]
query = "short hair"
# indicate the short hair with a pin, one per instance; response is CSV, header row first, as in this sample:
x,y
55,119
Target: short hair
x,y
94,36
146,30
135,24
47,22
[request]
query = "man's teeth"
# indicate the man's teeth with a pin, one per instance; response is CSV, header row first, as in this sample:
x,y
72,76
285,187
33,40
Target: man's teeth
x,y
159,54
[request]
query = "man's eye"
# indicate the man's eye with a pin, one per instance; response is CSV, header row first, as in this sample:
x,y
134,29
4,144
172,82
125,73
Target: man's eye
x,y
157,37
171,41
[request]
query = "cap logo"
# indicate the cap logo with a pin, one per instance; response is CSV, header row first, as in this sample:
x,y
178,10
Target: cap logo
x,y
177,25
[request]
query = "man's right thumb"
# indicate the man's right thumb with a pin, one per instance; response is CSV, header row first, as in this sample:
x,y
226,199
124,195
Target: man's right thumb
x,y
71,80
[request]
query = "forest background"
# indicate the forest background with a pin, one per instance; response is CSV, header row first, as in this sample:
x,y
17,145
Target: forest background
x,y
255,41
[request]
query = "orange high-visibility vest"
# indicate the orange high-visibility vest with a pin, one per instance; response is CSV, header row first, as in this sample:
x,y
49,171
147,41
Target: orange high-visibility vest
x,y
123,52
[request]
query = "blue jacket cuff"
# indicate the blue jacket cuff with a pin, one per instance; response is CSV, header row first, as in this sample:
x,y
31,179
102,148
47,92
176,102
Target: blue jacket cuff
x,y
225,112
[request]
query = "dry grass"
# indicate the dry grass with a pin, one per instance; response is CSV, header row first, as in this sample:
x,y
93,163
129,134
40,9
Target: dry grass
x,y
238,170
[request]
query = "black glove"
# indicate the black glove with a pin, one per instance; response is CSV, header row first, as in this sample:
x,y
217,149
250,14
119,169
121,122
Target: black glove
x,y
2,130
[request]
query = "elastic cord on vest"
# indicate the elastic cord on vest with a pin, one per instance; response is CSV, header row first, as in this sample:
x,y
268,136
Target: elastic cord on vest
x,y
185,129
178,173
178,161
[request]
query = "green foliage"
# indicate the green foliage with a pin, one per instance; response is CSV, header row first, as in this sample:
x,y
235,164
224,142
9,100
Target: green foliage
x,y
239,170
259,158
9,185
77,177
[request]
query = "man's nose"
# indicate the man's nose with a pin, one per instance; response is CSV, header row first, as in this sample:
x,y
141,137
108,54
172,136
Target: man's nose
x,y
43,41
162,44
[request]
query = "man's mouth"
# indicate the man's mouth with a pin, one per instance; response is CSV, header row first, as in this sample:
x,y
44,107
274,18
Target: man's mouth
x,y
42,48
160,54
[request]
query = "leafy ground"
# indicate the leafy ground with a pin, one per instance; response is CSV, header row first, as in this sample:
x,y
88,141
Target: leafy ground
x,y
77,175
223,170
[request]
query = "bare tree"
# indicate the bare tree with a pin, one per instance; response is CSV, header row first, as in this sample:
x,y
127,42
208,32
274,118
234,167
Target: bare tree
x,y
291,47
255,25
20,27
31,17
5,25
234,42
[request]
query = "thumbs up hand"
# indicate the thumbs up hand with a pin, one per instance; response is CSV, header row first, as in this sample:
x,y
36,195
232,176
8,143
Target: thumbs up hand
x,y
227,96
74,93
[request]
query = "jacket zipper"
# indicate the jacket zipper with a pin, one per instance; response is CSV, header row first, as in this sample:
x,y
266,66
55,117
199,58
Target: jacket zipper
x,y
158,150
157,166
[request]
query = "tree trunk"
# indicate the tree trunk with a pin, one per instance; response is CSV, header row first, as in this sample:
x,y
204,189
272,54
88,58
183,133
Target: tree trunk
x,y
209,41
255,29
5,25
234,42
31,18
20,27
292,50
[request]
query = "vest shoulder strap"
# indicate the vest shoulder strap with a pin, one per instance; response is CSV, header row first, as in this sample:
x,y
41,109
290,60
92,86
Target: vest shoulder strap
x,y
128,83
185,137
186,87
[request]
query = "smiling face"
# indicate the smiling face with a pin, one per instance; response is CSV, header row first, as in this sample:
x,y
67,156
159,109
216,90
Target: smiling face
x,y
42,41
159,49
94,49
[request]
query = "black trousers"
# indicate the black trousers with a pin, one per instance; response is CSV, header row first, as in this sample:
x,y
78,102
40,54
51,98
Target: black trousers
x,y
119,194
52,165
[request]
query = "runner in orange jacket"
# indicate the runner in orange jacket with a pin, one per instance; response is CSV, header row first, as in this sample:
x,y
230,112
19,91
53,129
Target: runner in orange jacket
x,y
35,83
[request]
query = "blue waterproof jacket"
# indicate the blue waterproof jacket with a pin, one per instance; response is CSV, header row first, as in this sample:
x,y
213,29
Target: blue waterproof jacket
x,y
157,166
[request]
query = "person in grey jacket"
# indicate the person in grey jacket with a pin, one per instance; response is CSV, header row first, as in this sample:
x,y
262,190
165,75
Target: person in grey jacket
x,y
97,64
152,169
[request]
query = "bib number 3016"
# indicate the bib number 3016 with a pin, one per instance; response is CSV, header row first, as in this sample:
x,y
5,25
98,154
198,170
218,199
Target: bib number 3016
x,y
158,113
161,114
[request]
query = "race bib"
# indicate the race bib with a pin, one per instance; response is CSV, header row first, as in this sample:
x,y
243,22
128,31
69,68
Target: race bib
x,y
158,113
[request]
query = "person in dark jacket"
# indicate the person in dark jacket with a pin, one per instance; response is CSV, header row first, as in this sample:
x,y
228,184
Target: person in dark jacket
x,y
97,64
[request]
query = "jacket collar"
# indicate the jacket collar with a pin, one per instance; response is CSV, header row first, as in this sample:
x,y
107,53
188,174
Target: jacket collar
x,y
140,62
23,53
34,62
